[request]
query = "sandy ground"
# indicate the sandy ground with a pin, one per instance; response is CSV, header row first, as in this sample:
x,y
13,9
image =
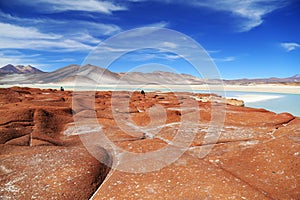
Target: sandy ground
x,y
265,88
272,88
249,98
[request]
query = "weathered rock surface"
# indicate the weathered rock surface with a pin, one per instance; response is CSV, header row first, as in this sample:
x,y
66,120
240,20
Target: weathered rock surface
x,y
256,155
37,161
50,172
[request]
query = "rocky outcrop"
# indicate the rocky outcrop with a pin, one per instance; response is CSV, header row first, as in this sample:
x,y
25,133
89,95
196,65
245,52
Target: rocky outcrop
x,y
255,155
37,160
235,102
218,99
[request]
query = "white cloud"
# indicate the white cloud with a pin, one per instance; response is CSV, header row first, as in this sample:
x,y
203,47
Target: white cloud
x,y
80,35
45,45
144,31
64,60
99,29
251,12
161,24
105,7
226,59
148,56
213,51
58,45
77,37
18,37
173,57
169,45
59,26
17,58
84,38
19,32
111,49
290,46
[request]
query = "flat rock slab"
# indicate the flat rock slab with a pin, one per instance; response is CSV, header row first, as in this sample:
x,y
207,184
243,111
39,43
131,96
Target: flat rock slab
x,y
49,172
187,178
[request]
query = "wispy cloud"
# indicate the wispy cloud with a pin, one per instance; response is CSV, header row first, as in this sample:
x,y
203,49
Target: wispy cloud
x,y
146,29
39,60
105,7
18,37
64,60
225,59
172,57
50,34
250,12
213,51
18,58
290,46
161,24
19,32
74,26
171,45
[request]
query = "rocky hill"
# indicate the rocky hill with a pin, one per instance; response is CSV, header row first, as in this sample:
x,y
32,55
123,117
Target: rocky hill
x,y
19,69
292,79
90,75
160,77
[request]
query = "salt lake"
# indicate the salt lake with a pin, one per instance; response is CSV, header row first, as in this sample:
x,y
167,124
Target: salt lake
x,y
276,102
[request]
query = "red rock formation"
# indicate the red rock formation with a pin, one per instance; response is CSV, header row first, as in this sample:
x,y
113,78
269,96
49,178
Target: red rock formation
x,y
256,155
37,159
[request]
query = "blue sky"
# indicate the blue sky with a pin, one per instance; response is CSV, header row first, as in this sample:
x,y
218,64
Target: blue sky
x,y
245,39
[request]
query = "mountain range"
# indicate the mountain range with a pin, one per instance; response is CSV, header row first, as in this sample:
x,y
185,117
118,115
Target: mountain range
x,y
90,75
19,69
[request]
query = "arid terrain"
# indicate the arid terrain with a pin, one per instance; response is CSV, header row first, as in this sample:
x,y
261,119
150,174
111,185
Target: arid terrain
x,y
42,156
89,75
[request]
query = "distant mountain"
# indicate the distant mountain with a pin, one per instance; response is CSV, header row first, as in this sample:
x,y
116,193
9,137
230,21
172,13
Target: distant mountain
x,y
160,77
19,69
91,75
292,79
297,76
87,74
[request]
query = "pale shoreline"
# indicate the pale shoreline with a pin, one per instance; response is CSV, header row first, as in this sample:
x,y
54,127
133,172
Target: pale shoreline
x,y
251,98
266,88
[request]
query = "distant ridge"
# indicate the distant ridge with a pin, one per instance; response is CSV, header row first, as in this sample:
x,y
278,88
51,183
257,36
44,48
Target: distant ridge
x,y
292,79
91,75
19,69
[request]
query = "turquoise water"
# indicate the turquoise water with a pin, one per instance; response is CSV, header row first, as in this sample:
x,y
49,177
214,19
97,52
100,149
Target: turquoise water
x,y
285,103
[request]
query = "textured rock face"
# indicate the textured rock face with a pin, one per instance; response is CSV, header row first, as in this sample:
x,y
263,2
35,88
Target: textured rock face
x,y
256,155
50,172
36,160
